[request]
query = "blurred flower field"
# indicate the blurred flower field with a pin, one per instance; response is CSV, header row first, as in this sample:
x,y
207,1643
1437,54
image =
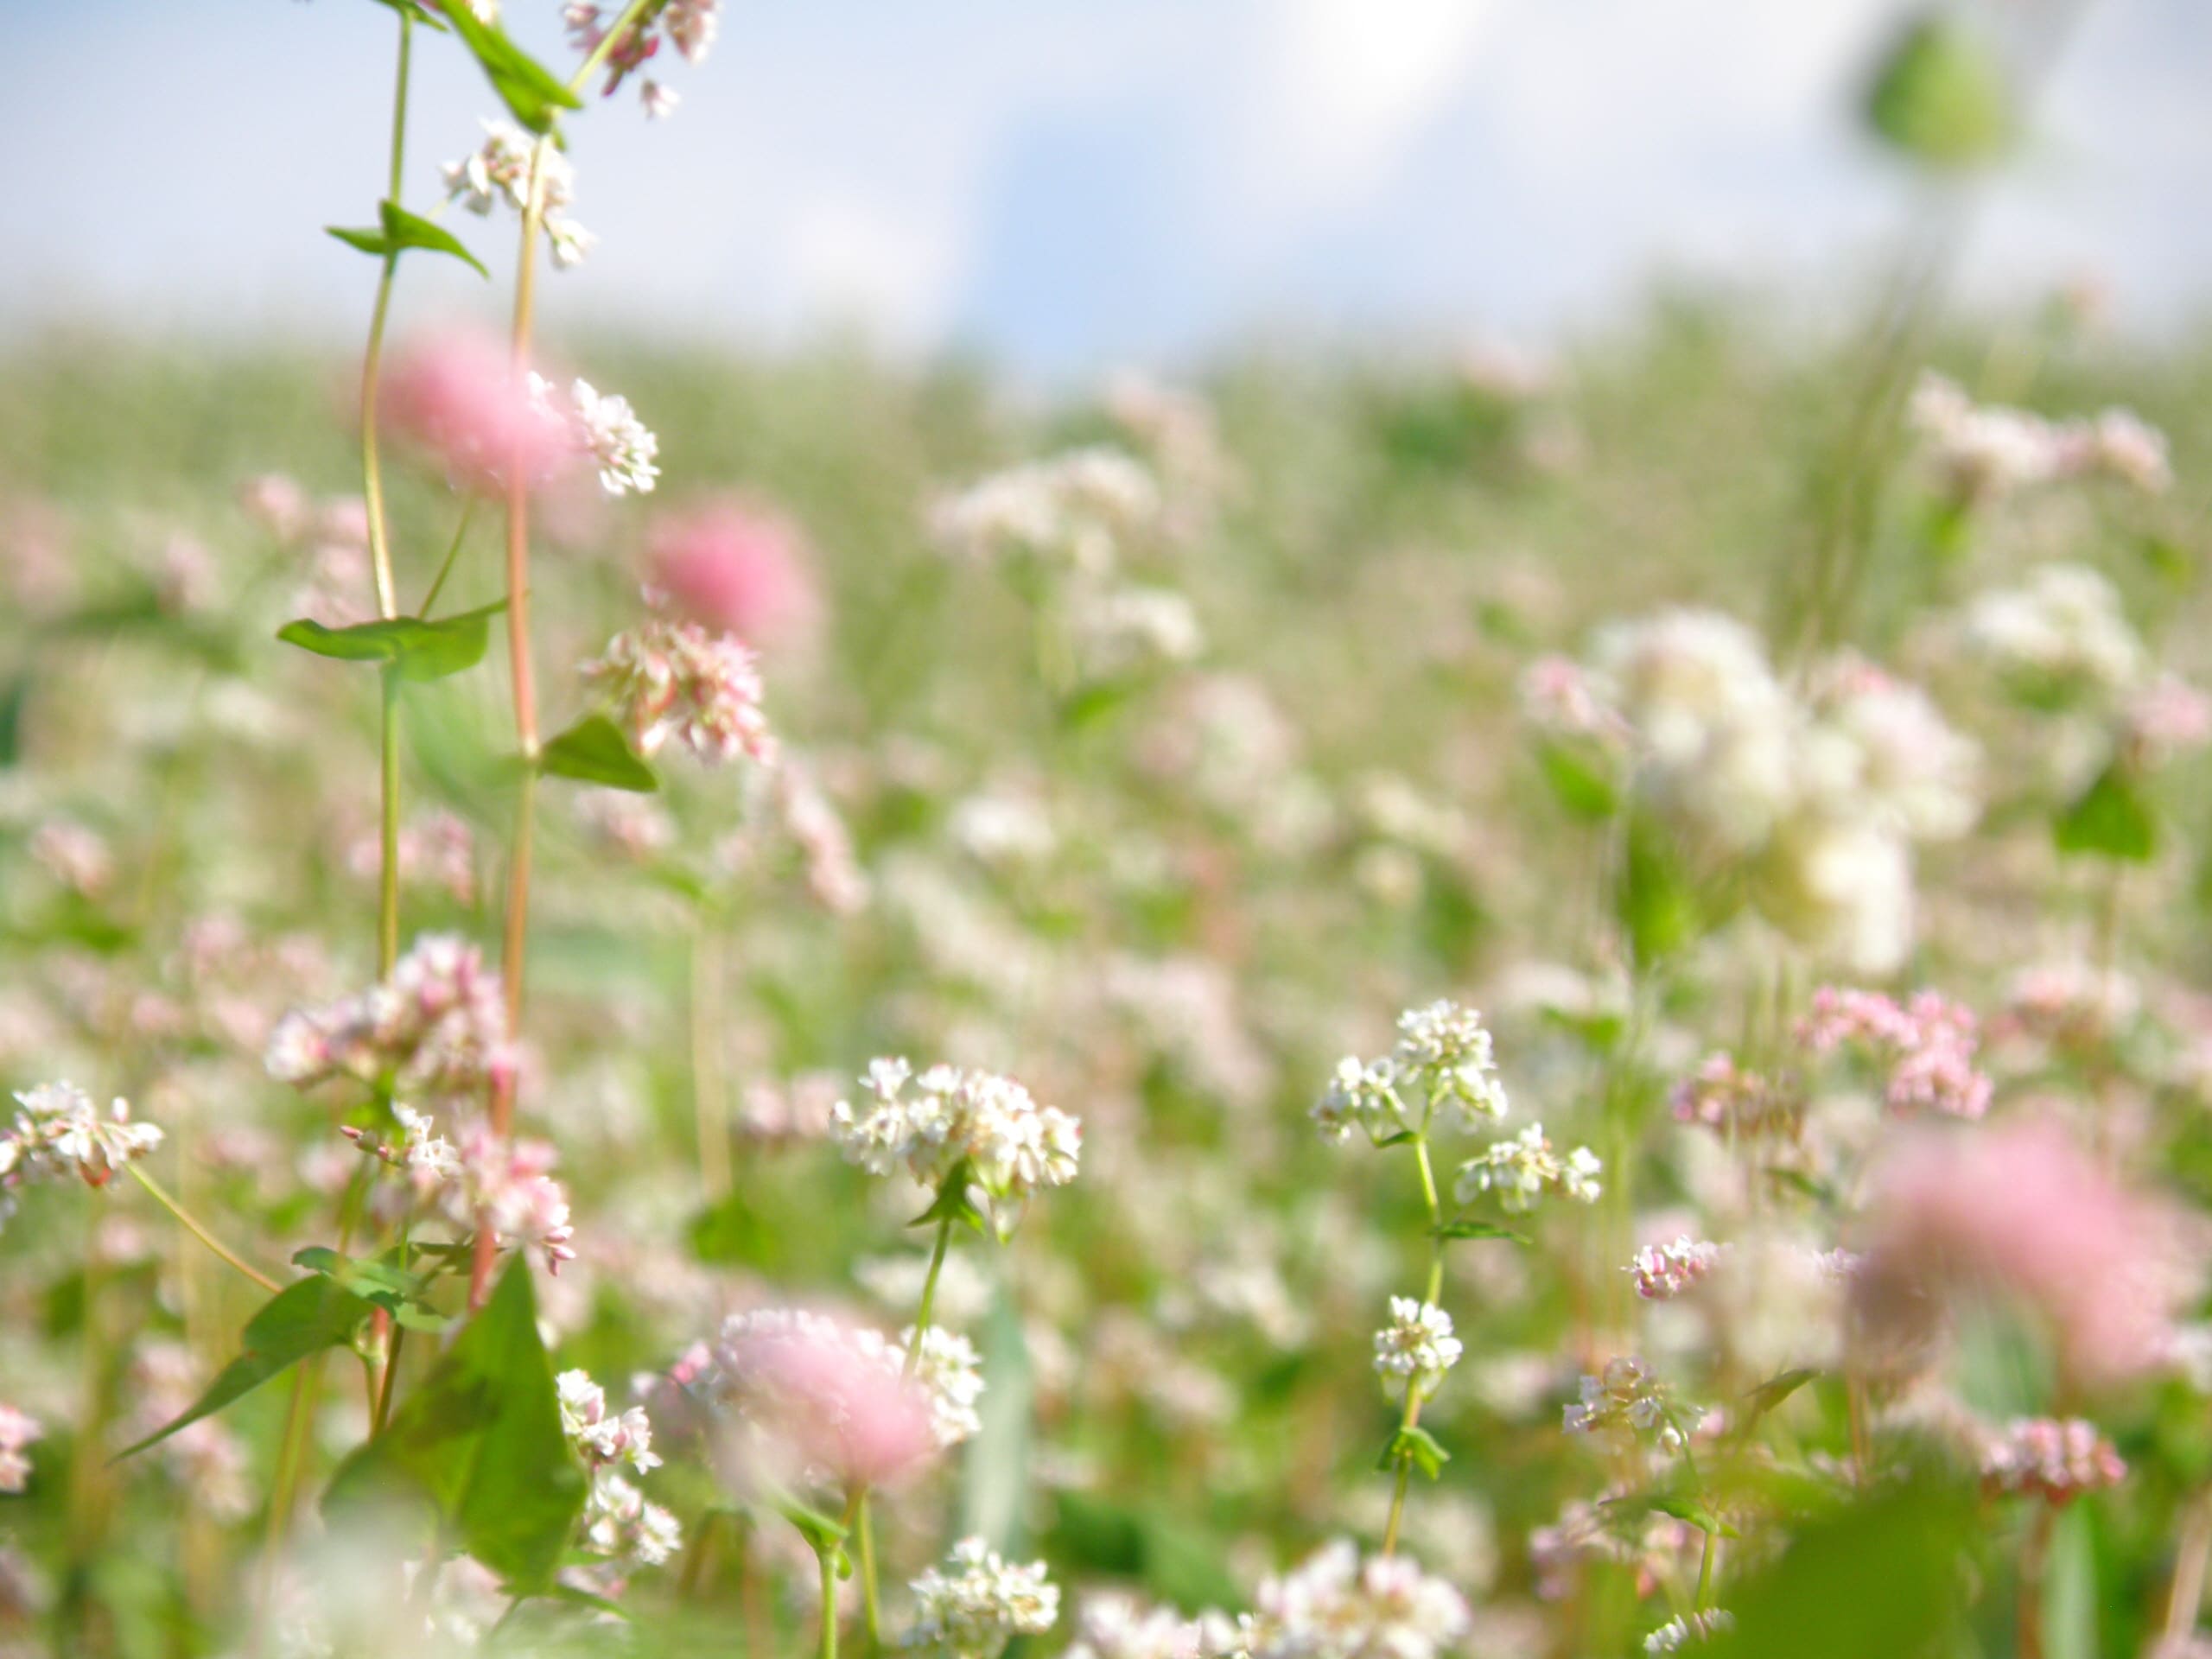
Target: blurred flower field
x,y
1377,1005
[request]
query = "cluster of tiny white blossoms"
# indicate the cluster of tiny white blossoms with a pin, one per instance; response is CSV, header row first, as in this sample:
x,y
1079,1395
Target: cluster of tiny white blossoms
x,y
619,1522
499,170
437,1026
1336,1606
950,1373
1443,1055
688,25
1523,1167
18,1429
608,431
1982,451
1415,1348
977,1602
1928,1044
671,679
59,1132
1624,1397
2063,626
1820,792
952,1120
1071,510
2049,1458
1111,1626
1687,1630
1665,1271
507,1183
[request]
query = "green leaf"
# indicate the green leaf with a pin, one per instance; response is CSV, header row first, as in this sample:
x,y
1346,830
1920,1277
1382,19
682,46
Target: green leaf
x,y
382,1283
1579,780
2110,819
301,1319
1415,1445
1941,97
401,230
479,1445
532,92
1657,905
1398,1140
822,1532
1686,1507
1479,1229
953,1203
1771,1393
416,650
593,751
412,8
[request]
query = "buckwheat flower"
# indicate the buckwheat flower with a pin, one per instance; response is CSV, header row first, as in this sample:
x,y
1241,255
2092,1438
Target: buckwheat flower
x,y
2165,718
1839,886
671,679
510,1184
949,1374
437,849
499,170
1336,1606
1112,1626
1663,1272
1362,1097
18,1429
1559,697
437,1026
2063,626
599,1436
1129,630
619,1523
739,567
1625,1398
1983,451
1880,747
1721,1095
59,1132
976,1603
1415,1348
819,1400
2053,1460
1445,1048
1010,1146
456,396
636,826
618,441
2124,445
1928,1045
77,858
1071,511
1688,1631
1521,1169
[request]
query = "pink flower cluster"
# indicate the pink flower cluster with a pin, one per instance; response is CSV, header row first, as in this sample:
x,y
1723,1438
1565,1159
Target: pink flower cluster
x,y
2023,1212
507,1185
437,849
459,398
439,1027
1723,1097
17,1430
675,679
824,1396
1928,1046
735,566
1663,1272
2051,1459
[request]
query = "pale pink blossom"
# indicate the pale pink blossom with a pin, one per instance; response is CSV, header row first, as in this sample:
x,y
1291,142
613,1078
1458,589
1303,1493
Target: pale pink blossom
x,y
18,1429
1663,1272
825,1399
2055,1460
459,398
677,680
739,569
1927,1046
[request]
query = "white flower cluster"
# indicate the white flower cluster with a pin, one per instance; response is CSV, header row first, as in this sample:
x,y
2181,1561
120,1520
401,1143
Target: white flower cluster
x,y
1127,630
1111,1626
617,1521
1336,1606
949,1372
438,1027
1819,796
1008,1145
1983,451
671,679
1443,1053
59,1132
1688,1630
1625,1398
1523,1167
977,1602
499,170
1071,511
688,25
2063,626
17,1430
1663,1272
608,431
1415,1348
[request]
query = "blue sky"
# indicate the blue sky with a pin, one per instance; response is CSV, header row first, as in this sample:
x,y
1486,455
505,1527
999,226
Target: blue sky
x,y
1070,184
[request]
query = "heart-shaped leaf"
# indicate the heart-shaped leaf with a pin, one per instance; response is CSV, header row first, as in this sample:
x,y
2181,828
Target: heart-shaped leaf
x,y
593,751
416,650
532,92
2110,818
401,230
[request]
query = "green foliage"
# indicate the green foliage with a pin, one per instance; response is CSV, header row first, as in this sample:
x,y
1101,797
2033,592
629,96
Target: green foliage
x,y
400,230
534,95
479,1444
1579,781
1941,97
593,751
413,649
380,1283
1657,903
2110,819
300,1320
1415,1445
1463,1229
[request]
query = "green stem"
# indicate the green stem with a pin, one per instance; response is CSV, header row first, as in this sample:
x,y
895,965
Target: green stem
x,y
872,1614
191,1224
438,585
372,473
388,828
1411,1416
1704,1573
929,1296
828,1560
